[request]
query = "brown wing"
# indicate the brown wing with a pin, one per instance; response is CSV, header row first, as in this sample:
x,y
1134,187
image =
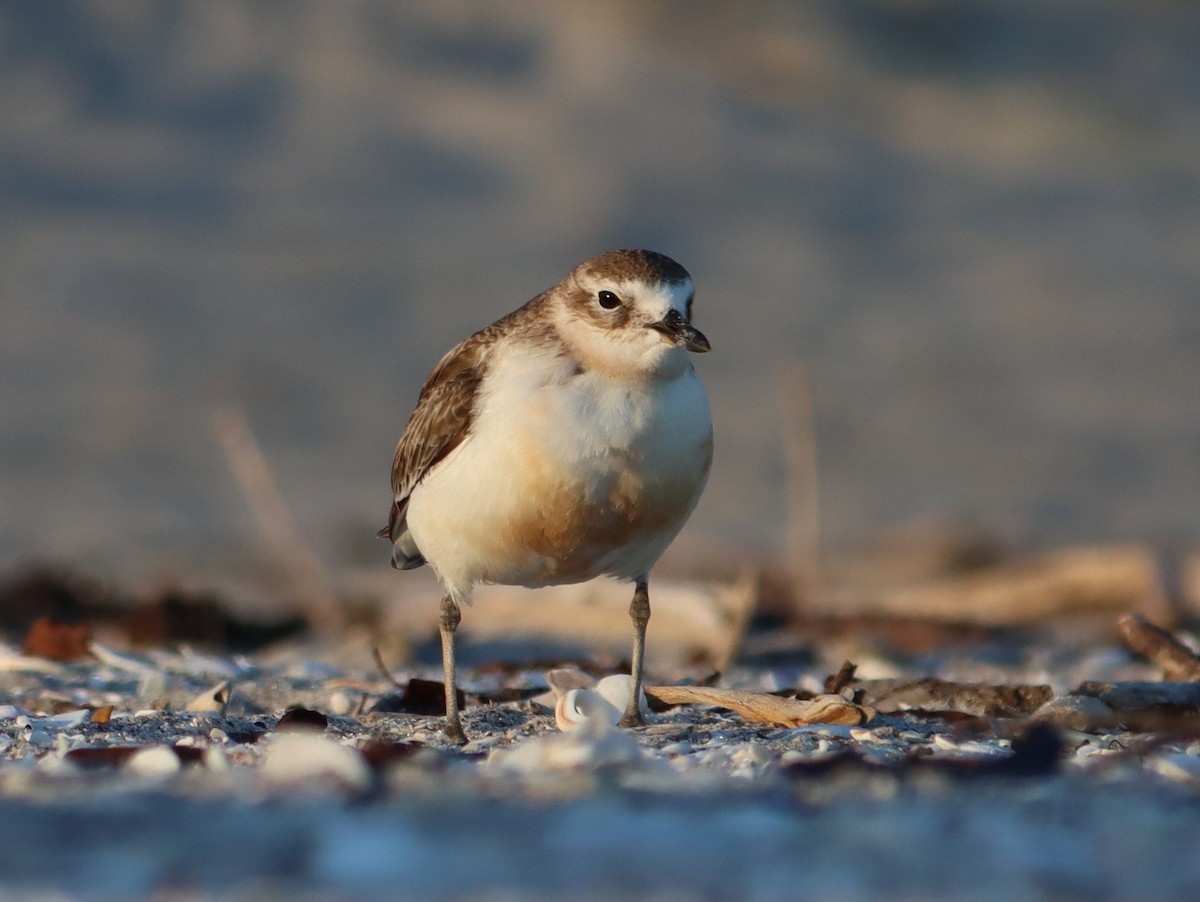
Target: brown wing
x,y
443,417
438,424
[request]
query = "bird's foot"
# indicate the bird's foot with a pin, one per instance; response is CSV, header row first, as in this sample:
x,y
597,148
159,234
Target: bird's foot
x,y
454,732
632,718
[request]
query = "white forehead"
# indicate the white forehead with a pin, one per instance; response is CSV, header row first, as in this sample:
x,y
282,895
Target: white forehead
x,y
652,297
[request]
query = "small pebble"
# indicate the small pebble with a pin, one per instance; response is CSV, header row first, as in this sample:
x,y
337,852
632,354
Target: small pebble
x,y
299,758
158,761
341,704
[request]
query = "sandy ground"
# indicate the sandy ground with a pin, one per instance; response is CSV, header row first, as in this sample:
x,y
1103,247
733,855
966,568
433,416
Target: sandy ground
x,y
697,805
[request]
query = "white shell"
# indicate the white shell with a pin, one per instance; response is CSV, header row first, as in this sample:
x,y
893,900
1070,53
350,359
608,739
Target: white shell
x,y
303,759
210,700
157,761
604,704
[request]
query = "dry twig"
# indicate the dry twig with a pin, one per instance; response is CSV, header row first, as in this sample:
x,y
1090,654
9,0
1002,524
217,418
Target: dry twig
x,y
1178,662
769,709
257,482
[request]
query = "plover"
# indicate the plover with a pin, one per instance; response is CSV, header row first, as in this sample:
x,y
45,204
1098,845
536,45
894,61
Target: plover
x,y
570,439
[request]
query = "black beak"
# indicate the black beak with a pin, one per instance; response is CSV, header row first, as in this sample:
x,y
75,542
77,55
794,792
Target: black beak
x,y
681,332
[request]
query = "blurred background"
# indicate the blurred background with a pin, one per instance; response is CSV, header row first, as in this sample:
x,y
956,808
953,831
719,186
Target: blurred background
x,y
975,225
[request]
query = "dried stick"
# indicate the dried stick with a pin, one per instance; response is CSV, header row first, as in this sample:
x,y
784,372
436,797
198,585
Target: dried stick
x,y
257,482
1178,662
383,668
769,709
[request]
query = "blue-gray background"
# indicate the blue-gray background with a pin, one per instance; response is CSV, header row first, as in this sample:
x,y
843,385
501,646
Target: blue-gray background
x,y
977,225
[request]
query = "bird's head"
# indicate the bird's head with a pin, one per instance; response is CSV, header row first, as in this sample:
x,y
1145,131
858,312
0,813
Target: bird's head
x,y
628,313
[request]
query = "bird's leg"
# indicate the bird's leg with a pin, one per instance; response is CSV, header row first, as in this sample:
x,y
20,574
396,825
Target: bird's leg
x,y
449,617
639,613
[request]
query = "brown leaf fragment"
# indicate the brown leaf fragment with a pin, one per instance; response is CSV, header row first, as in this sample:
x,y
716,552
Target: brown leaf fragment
x,y
102,756
1142,637
381,753
298,718
57,640
761,707
425,697
835,683
102,715
188,754
99,757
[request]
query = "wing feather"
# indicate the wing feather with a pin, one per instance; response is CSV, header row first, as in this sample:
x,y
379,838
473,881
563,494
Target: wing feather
x,y
438,424
443,418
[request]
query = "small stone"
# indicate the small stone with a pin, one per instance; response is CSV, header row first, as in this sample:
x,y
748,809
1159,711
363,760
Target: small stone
x,y
340,704
593,745
157,761
305,756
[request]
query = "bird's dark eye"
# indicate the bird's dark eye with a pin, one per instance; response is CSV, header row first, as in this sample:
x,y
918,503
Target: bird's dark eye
x,y
608,300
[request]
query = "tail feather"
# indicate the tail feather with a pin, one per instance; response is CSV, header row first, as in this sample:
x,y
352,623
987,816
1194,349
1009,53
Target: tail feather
x,y
405,553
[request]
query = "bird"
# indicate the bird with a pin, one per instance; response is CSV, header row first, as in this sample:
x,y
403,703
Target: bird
x,y
570,439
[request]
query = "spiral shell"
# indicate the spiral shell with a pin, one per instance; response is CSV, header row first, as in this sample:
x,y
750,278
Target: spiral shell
x,y
604,704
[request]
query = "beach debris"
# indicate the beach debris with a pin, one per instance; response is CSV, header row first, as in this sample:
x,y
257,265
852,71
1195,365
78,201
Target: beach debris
x,y
57,640
1179,663
932,694
155,761
1084,713
211,701
302,719
424,697
123,661
605,703
593,745
1149,707
304,758
762,707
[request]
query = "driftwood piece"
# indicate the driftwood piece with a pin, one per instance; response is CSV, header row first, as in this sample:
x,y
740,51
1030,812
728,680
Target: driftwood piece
x,y
1088,580
931,694
1147,707
761,707
1178,662
1135,695
1084,713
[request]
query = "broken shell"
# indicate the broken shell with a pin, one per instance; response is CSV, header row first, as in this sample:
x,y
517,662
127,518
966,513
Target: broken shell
x,y
617,689
211,701
605,704
580,706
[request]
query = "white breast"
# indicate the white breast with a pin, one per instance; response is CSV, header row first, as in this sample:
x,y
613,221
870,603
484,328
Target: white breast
x,y
565,477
